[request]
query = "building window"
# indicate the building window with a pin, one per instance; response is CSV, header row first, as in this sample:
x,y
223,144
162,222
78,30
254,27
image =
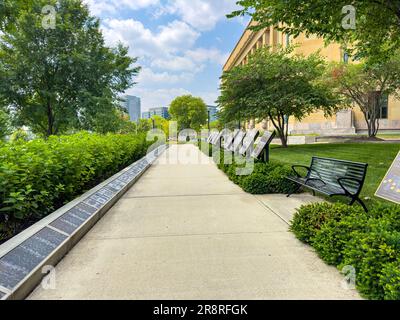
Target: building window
x,y
381,103
346,57
288,40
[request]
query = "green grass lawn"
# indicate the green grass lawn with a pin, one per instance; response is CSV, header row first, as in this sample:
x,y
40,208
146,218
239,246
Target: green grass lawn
x,y
378,156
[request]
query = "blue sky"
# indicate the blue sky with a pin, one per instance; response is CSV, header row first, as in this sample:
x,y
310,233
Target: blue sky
x,y
181,44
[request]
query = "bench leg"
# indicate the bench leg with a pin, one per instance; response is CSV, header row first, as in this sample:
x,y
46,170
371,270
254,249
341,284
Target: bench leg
x,y
357,199
295,190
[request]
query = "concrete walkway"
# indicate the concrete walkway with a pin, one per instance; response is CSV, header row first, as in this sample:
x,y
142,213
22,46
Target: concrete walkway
x,y
184,231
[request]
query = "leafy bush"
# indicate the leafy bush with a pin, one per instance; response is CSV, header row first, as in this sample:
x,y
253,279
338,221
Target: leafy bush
x,y
309,219
334,235
390,280
347,236
369,252
40,176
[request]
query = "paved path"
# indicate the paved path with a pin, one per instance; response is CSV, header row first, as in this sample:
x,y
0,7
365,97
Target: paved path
x,y
184,231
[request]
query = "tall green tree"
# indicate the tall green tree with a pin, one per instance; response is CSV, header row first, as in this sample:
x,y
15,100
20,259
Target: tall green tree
x,y
55,79
190,112
276,85
375,34
368,86
5,126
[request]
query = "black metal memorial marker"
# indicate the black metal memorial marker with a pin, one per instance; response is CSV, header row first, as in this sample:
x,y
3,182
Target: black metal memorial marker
x,y
228,143
248,141
23,259
237,143
211,137
390,186
262,148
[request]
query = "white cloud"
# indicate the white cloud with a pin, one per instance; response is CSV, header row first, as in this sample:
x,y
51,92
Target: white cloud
x,y
99,7
149,78
173,37
201,14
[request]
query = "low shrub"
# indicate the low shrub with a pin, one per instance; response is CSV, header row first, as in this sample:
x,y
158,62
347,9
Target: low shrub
x,y
39,176
310,219
347,236
334,235
369,253
390,280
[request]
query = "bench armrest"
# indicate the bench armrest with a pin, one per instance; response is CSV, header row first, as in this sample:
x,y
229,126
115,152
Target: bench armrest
x,y
297,173
360,184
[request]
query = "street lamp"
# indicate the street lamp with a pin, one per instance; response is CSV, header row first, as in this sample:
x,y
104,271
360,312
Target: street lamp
x,y
208,120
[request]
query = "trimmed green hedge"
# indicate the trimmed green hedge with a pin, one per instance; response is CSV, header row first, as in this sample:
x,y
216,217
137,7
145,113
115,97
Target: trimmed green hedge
x,y
266,178
39,176
347,236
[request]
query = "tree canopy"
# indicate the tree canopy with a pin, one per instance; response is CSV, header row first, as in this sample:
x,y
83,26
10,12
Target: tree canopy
x,y
276,85
190,112
368,86
53,80
375,35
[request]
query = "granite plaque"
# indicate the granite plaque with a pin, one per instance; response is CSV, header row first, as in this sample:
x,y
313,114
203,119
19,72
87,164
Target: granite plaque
x,y
217,138
107,193
116,185
390,186
237,143
2,294
19,262
69,222
93,203
85,209
264,142
248,141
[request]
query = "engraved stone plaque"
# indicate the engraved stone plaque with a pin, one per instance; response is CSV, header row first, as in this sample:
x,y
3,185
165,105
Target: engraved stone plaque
x,y
69,222
116,185
19,262
93,203
2,294
107,193
390,186
85,209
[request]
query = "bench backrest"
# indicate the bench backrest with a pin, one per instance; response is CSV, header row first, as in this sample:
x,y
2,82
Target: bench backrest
x,y
330,170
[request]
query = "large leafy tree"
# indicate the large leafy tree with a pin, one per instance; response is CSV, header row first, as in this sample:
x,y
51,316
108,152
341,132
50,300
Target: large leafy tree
x,y
56,79
376,33
276,85
368,86
190,112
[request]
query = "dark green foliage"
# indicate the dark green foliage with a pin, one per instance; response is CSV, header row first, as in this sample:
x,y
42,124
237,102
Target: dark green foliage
x,y
390,280
368,242
309,219
40,176
266,178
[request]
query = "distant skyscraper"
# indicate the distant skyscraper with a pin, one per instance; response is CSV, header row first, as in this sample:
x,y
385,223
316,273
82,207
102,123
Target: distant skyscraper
x,y
132,105
213,113
161,112
146,115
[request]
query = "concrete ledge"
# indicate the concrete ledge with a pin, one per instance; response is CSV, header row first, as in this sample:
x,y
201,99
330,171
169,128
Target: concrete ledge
x,y
44,244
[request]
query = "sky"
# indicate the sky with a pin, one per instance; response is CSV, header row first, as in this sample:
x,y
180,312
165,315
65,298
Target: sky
x,y
181,45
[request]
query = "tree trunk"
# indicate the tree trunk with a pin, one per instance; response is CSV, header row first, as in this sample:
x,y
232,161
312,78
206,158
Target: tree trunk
x,y
50,120
282,129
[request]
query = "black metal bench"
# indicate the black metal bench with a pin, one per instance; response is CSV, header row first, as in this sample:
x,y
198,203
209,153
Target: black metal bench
x,y
333,177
